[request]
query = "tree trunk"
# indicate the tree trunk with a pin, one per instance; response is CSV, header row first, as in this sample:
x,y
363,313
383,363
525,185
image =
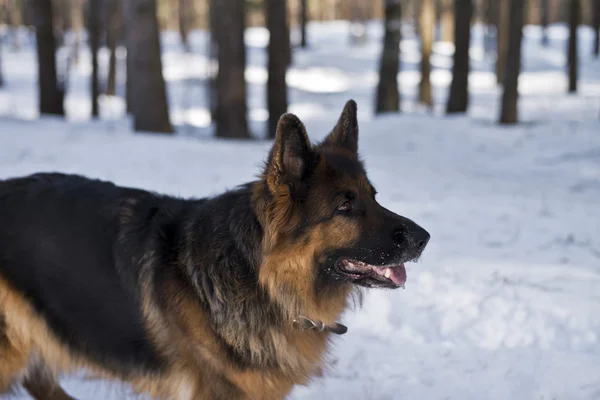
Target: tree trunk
x,y
427,25
303,22
148,93
574,17
416,9
508,114
76,27
388,95
544,21
51,95
213,55
184,10
128,75
94,38
276,22
231,84
447,20
502,38
489,16
596,26
113,32
459,88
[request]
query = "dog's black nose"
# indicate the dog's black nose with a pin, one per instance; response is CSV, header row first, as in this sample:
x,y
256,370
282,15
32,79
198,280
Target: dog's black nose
x,y
420,238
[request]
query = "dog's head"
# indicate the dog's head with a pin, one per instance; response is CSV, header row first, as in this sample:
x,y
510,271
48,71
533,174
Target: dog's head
x,y
323,224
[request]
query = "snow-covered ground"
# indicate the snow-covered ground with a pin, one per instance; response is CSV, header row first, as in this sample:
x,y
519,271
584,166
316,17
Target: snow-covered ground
x,y
505,302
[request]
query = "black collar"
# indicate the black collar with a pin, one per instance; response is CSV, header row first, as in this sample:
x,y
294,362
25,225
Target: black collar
x,y
305,323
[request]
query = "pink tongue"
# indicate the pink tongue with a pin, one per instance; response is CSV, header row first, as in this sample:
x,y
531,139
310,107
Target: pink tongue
x,y
398,275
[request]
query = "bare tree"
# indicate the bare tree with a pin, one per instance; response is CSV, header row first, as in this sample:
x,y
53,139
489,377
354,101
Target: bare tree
x,y
184,22
489,16
51,94
213,54
147,86
596,26
427,24
94,38
113,33
76,26
416,15
303,22
447,20
128,73
231,118
508,114
459,88
388,95
278,51
502,38
544,21
574,17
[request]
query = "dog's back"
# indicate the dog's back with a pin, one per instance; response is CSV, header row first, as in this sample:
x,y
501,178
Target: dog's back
x,y
57,254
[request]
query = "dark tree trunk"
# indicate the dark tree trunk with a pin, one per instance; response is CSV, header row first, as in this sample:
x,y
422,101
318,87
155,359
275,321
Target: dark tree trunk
x,y
459,88
94,38
508,114
427,27
113,32
148,93
184,28
596,26
502,38
416,9
574,17
544,21
388,95
128,78
279,48
76,26
51,95
231,84
213,55
303,22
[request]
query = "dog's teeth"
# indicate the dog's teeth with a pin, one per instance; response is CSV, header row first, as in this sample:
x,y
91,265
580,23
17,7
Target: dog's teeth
x,y
388,273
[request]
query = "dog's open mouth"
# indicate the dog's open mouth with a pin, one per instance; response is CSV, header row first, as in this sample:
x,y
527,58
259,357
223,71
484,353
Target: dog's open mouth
x,y
389,275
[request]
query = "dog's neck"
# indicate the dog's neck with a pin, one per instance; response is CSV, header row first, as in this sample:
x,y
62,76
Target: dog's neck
x,y
252,305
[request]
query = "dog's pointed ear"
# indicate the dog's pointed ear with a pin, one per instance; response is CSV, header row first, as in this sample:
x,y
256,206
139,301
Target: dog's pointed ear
x,y
345,132
291,157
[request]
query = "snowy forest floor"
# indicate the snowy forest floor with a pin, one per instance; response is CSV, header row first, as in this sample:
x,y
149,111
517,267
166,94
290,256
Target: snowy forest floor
x,y
504,304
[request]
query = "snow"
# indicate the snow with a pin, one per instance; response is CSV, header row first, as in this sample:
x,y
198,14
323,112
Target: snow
x,y
504,304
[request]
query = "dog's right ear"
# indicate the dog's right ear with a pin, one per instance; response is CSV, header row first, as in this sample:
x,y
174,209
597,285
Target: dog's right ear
x,y
291,158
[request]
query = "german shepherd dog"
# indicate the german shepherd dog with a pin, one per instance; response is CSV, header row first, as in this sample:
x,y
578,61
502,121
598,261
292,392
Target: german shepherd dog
x,y
230,297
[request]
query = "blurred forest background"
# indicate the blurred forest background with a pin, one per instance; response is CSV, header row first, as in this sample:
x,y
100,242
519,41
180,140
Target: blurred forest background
x,y
480,120
129,31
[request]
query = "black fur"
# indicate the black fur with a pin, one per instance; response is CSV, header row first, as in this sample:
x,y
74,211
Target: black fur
x,y
57,247
94,240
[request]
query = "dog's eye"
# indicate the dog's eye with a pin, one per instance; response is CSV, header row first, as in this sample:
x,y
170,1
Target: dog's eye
x,y
345,206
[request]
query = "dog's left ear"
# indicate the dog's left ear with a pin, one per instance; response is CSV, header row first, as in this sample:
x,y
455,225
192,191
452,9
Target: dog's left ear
x,y
291,157
345,132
